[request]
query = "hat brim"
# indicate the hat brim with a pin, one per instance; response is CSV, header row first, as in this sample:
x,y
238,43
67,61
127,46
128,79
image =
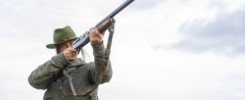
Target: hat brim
x,y
53,46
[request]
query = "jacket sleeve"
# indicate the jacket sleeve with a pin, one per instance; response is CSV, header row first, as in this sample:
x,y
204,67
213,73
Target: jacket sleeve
x,y
41,77
99,51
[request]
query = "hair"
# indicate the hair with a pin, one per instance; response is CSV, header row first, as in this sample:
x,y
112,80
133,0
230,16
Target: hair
x,y
85,55
57,49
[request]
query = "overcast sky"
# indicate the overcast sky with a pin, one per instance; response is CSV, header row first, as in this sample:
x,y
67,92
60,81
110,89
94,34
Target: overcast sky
x,y
162,49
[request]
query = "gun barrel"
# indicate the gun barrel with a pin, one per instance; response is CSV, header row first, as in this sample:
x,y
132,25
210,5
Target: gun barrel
x,y
116,11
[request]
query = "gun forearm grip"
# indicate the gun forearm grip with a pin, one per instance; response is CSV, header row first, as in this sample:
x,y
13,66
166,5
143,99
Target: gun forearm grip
x,y
104,25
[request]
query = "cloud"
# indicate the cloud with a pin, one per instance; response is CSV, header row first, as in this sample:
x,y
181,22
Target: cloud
x,y
146,4
224,35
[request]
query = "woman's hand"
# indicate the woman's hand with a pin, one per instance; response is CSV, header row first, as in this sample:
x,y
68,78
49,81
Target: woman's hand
x,y
96,38
70,54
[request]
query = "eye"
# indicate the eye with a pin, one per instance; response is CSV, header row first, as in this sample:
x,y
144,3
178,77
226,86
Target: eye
x,y
63,46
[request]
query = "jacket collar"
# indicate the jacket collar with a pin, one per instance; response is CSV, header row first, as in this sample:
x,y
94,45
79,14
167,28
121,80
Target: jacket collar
x,y
75,63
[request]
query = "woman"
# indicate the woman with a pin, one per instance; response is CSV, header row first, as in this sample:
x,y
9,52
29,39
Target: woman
x,y
67,77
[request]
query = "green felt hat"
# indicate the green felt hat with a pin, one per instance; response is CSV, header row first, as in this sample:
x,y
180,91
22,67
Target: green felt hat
x,y
62,35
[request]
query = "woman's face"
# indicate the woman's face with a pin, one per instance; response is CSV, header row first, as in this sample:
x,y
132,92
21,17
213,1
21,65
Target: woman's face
x,y
65,45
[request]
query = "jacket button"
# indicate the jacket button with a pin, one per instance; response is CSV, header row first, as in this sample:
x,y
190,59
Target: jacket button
x,y
60,87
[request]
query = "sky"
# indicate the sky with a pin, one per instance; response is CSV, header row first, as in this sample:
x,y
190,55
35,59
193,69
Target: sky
x,y
162,49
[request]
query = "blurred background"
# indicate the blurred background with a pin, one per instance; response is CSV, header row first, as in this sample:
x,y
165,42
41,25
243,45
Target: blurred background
x,y
162,49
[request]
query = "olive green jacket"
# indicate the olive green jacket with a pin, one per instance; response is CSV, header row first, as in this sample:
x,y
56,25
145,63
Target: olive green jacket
x,y
84,75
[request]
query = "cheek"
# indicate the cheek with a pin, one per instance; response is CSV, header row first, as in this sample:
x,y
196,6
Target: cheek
x,y
62,49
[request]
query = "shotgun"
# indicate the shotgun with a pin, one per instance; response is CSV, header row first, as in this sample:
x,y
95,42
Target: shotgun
x,y
102,26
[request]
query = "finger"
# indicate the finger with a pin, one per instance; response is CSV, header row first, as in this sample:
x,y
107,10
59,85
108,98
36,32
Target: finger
x,y
96,30
96,33
92,30
72,50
